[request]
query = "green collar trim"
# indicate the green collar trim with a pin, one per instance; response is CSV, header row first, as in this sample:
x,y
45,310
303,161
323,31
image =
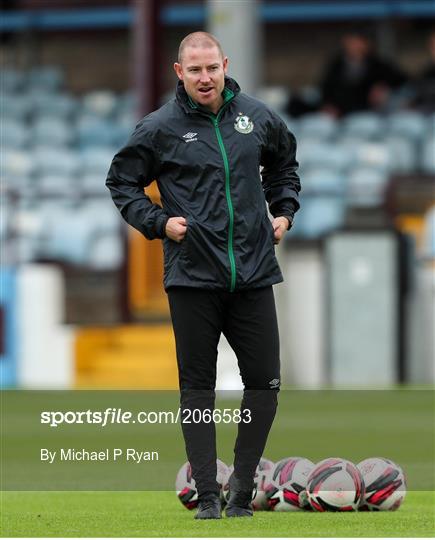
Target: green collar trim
x,y
192,104
227,95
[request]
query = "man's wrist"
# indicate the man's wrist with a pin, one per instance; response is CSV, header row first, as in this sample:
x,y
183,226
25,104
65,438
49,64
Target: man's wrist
x,y
289,221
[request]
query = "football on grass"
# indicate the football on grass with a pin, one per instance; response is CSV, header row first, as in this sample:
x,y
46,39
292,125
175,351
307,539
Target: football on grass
x,y
288,480
185,485
335,485
385,484
261,480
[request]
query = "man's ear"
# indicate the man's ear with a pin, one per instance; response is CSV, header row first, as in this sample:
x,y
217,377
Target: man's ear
x,y
225,64
178,70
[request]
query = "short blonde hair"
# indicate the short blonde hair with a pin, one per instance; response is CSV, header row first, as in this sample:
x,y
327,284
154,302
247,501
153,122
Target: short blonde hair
x,y
199,40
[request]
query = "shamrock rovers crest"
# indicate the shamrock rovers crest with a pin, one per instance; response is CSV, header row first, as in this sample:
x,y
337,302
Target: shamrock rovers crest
x,y
243,124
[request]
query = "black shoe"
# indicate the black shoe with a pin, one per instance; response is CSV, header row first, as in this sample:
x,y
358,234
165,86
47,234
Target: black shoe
x,y
239,503
209,507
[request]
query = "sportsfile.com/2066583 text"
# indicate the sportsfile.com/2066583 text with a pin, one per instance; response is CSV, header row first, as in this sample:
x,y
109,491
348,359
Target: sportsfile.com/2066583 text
x,y
113,415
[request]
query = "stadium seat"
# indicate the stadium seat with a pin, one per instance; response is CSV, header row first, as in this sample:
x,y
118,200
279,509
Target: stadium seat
x,y
97,160
409,124
365,125
428,155
106,251
70,239
93,184
101,103
318,125
366,187
323,181
373,154
55,184
403,153
46,78
5,218
14,134
51,131
320,215
275,97
60,161
92,131
109,219
16,107
314,153
16,163
429,234
12,80
54,105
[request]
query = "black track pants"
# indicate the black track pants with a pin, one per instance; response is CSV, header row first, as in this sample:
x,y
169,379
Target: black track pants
x,y
248,321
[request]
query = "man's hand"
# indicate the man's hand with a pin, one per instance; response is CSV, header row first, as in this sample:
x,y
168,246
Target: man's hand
x,y
176,228
280,226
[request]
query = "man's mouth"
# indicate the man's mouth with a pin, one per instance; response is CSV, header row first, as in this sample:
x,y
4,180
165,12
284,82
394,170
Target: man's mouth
x,y
205,91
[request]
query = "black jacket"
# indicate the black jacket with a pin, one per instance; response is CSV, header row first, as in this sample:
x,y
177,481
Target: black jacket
x,y
207,171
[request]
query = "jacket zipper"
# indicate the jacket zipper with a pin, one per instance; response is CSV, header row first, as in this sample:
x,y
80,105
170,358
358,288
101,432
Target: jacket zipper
x,y
215,120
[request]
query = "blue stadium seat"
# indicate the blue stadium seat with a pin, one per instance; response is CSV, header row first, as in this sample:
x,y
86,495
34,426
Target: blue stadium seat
x,y
97,160
16,163
323,181
318,125
109,219
366,187
373,154
70,239
52,131
57,184
106,252
410,124
403,153
93,184
366,125
428,155
429,233
275,97
93,131
12,80
16,107
60,161
14,134
319,215
314,153
54,105
46,78
100,103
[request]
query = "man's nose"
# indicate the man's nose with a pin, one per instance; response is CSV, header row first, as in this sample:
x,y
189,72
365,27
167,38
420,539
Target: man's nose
x,y
205,76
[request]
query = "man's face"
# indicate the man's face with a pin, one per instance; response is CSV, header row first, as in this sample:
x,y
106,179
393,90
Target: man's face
x,y
356,47
202,71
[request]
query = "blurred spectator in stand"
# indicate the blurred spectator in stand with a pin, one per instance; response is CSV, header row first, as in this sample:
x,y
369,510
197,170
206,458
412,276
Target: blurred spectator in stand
x,y
424,86
7,38
357,78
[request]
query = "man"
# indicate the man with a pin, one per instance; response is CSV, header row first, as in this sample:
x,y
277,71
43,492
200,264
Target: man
x,y
205,148
357,79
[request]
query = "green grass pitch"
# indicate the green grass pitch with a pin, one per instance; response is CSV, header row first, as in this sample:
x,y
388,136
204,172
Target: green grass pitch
x,y
159,514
